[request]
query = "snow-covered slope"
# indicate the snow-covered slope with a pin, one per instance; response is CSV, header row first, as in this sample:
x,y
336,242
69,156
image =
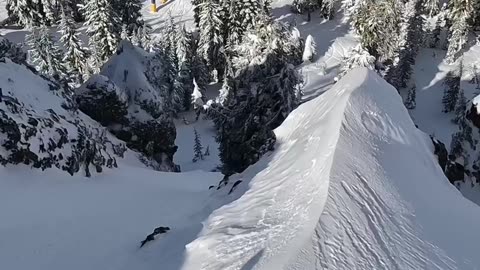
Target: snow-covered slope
x,y
352,185
52,221
40,127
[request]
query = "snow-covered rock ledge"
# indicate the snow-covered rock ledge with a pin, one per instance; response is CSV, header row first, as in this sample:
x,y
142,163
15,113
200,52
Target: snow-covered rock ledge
x,y
352,185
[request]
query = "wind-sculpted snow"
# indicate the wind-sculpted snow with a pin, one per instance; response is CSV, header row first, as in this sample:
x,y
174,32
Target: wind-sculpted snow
x,y
352,185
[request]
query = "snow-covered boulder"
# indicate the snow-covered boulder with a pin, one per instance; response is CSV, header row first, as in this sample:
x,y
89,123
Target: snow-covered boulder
x,y
40,126
122,99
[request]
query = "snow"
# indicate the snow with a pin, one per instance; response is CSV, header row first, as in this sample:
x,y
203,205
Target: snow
x,y
53,221
185,141
313,205
429,73
3,10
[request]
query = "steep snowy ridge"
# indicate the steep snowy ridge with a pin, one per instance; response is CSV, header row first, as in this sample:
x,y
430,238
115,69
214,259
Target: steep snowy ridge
x,y
352,185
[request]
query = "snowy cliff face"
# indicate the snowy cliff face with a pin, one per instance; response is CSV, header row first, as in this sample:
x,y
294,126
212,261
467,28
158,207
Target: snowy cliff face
x,y
40,126
122,99
352,184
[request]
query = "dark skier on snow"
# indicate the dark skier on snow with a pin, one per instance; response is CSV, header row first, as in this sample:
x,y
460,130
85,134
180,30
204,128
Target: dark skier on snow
x,y
151,237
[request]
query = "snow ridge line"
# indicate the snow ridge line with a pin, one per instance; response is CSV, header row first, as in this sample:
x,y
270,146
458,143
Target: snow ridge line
x,y
281,208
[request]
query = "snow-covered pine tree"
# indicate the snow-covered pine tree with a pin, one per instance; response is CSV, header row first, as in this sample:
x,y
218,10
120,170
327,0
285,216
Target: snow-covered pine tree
x,y
250,10
124,34
452,88
143,37
475,74
432,32
458,38
476,15
211,39
310,49
197,10
45,54
378,25
411,102
228,86
260,91
185,56
74,7
197,147
103,27
197,99
456,147
23,11
51,9
75,56
410,36
130,14
306,6
461,13
350,9
231,22
431,7
460,108
356,57
328,9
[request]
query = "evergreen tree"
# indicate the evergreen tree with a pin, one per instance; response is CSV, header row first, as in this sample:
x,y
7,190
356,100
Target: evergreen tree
x,y
411,34
328,9
211,42
185,55
124,34
456,148
357,57
233,29
45,54
103,28
130,14
411,102
250,11
143,37
197,10
351,8
452,88
200,72
197,99
460,13
460,108
207,151
197,147
32,13
306,6
75,56
458,38
377,23
261,87
432,7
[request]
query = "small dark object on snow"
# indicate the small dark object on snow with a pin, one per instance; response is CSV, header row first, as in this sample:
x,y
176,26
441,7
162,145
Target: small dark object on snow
x,y
210,187
234,186
223,182
151,237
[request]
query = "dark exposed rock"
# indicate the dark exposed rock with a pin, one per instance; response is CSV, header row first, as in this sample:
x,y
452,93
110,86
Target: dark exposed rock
x,y
473,115
441,152
455,172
